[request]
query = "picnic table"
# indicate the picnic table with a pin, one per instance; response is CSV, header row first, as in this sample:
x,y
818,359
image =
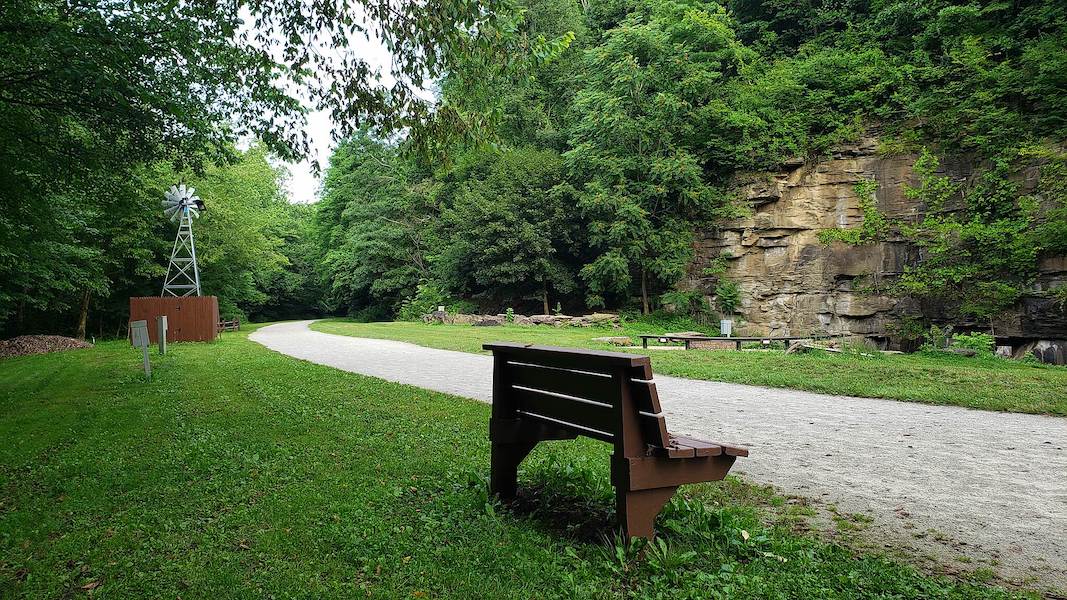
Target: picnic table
x,y
687,339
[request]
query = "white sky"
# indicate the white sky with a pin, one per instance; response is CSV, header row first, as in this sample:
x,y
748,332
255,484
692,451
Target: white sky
x,y
303,185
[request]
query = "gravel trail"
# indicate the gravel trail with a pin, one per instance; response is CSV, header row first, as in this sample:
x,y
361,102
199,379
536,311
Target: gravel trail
x,y
939,480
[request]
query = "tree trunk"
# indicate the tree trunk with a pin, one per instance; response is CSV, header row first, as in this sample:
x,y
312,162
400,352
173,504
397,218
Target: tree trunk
x,y
644,291
544,301
83,316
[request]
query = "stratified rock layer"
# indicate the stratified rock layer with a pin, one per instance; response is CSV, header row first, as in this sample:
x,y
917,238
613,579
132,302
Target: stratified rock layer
x,y
792,283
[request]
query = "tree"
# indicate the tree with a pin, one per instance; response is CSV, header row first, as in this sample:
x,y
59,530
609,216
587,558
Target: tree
x,y
372,225
642,176
507,230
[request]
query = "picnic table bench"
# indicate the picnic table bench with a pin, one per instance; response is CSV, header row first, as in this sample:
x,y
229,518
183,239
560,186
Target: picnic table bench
x,y
688,339
543,393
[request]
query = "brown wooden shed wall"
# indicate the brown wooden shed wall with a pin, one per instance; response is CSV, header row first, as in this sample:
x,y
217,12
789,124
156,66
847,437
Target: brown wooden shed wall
x,y
189,319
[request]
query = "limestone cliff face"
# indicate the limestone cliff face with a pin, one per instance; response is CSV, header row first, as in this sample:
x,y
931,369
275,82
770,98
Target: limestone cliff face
x,y
792,283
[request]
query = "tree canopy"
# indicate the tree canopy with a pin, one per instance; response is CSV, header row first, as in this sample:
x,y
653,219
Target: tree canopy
x,y
570,150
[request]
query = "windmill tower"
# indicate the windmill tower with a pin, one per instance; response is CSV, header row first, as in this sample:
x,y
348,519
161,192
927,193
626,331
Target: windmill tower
x,y
183,276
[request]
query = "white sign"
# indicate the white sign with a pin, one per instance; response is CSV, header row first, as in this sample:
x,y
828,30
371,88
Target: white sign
x,y
139,337
139,334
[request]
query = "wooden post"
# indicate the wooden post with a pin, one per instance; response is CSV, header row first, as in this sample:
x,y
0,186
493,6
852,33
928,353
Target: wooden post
x,y
139,338
161,333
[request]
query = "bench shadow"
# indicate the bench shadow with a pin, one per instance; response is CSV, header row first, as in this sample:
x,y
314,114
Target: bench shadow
x,y
560,509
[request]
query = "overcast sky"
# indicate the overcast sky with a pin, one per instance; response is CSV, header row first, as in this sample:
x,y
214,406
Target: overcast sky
x,y
303,184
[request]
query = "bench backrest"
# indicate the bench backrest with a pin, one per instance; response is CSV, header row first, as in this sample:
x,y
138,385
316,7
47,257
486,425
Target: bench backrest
x,y
608,396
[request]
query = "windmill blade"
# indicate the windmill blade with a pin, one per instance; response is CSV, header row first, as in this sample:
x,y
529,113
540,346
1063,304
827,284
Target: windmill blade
x,y
189,192
174,190
194,212
170,211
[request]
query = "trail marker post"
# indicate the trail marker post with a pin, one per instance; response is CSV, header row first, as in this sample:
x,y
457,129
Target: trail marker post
x,y
139,337
161,333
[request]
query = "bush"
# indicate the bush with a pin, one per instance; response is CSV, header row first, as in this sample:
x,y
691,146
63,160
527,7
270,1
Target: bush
x,y
727,297
663,321
371,314
936,339
983,343
428,296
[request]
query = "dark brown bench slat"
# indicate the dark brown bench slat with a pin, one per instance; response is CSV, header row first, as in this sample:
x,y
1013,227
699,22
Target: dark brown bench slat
x,y
645,396
567,358
678,450
654,429
591,386
585,414
702,448
643,371
586,431
734,450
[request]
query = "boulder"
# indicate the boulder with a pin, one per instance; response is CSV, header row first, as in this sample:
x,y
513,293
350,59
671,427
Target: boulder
x,y
488,321
614,340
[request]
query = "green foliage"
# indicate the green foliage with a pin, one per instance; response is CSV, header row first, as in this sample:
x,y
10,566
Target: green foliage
x,y
634,150
104,103
984,343
980,241
718,266
686,302
506,232
88,258
428,296
936,338
875,226
372,226
727,296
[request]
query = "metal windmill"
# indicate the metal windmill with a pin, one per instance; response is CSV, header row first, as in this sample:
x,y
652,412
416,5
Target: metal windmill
x,y
183,276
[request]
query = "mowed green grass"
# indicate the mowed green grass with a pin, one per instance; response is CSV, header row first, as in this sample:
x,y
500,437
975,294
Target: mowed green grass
x,y
240,473
985,383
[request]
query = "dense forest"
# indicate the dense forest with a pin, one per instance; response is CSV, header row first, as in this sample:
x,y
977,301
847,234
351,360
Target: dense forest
x,y
574,148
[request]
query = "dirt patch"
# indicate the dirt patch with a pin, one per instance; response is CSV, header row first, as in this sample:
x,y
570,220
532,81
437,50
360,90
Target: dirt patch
x,y
24,345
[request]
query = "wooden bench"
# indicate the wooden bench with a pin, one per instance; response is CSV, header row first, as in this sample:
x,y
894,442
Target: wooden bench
x,y
545,393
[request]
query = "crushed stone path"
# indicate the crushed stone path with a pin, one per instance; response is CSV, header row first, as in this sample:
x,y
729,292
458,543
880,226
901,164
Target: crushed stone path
x,y
942,479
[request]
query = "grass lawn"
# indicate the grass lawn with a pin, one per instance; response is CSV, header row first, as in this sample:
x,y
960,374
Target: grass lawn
x,y
238,472
985,383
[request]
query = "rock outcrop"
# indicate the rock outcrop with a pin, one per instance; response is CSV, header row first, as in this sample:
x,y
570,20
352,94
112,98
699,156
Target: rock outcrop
x,y
595,319
792,283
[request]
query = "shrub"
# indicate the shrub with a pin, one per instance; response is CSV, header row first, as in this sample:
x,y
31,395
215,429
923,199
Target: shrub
x,y
727,296
936,338
428,296
984,343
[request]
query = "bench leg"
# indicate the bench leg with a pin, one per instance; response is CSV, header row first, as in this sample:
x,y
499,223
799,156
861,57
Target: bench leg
x,y
504,467
637,511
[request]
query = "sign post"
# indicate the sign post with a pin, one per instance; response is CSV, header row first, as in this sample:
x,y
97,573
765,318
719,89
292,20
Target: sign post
x,y
161,333
139,337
